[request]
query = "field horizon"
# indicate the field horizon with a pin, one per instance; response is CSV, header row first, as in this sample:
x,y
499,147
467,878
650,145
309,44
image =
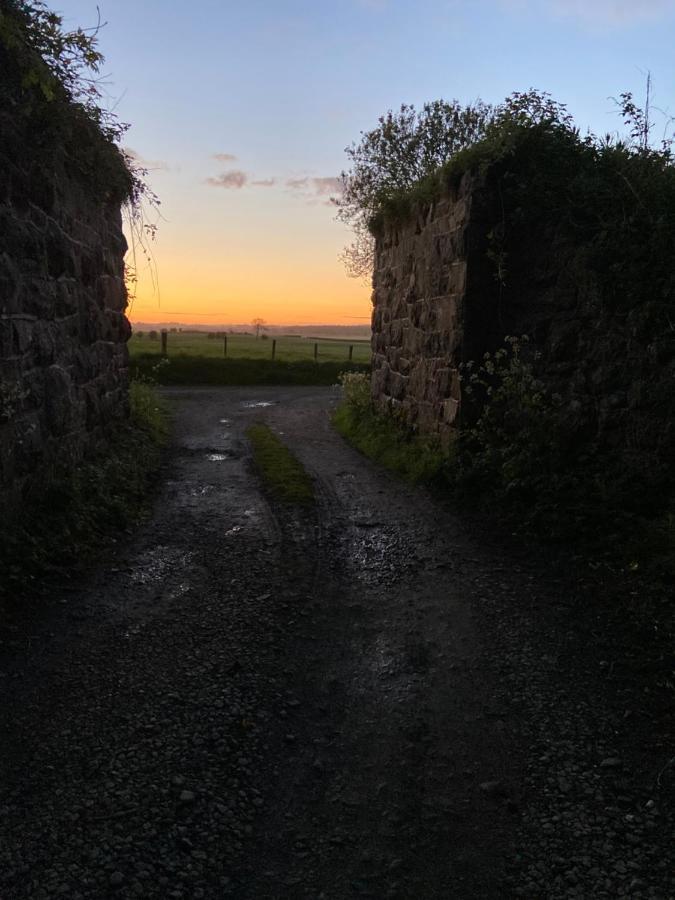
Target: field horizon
x,y
325,332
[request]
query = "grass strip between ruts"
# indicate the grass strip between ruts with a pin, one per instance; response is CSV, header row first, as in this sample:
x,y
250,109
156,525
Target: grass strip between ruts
x,y
282,474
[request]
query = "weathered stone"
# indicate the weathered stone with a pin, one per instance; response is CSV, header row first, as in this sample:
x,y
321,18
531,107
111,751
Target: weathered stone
x,y
63,332
438,303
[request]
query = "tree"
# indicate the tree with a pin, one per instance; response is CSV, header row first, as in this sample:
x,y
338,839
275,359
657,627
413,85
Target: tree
x,y
403,148
260,325
406,146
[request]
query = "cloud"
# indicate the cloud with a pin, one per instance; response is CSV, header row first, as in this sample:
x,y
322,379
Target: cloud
x,y
232,180
297,184
327,185
224,157
613,12
314,189
264,182
152,165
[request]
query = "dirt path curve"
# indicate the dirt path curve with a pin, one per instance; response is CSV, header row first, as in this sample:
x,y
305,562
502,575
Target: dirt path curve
x,y
361,699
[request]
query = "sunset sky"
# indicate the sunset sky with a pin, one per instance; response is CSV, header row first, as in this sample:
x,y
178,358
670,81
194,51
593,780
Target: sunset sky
x,y
242,112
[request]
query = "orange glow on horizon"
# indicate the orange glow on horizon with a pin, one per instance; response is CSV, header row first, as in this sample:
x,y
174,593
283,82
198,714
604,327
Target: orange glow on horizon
x,y
201,297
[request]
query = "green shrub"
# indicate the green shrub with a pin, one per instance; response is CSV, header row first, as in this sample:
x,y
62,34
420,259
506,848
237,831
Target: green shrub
x,y
384,439
523,455
74,509
239,371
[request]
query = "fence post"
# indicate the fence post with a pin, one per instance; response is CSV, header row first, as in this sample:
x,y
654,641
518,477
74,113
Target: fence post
x,y
165,338
351,352
224,345
316,351
274,347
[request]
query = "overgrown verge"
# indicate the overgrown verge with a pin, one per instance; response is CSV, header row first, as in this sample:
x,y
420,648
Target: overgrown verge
x,y
74,512
382,438
567,238
282,474
519,464
523,455
202,370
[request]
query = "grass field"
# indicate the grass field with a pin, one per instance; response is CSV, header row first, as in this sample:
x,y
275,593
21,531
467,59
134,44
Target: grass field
x,y
243,346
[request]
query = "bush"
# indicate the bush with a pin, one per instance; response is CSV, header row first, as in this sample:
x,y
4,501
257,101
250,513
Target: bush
x,y
73,511
380,437
239,371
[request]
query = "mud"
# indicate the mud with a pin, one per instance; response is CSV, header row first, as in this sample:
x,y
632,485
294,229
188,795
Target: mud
x,y
365,698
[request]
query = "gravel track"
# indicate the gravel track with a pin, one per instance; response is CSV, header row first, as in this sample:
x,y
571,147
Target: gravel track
x,y
367,698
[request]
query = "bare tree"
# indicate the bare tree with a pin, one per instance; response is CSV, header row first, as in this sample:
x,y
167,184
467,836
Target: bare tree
x,y
260,325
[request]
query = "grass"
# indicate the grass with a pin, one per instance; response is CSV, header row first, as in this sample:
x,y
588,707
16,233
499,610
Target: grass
x,y
631,543
75,510
414,457
288,348
214,371
282,474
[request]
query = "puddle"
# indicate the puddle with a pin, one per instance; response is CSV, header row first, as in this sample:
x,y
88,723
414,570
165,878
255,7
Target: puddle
x,y
217,457
258,404
225,421
234,530
159,563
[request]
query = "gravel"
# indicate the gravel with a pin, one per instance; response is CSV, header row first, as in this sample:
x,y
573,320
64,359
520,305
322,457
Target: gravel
x,y
369,699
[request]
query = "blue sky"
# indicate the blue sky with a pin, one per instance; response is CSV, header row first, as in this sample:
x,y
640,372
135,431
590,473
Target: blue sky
x,y
283,86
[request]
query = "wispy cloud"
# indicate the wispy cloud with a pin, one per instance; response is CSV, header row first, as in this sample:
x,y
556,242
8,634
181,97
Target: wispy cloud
x,y
297,184
311,189
224,157
152,165
314,189
232,180
326,185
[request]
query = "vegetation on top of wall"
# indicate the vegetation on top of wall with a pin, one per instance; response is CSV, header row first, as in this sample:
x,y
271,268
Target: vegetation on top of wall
x,y
528,144
50,103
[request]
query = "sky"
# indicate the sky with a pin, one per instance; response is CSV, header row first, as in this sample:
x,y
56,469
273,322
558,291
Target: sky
x,y
242,112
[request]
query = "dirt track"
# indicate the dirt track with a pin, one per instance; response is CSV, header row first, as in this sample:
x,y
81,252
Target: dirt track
x,y
360,699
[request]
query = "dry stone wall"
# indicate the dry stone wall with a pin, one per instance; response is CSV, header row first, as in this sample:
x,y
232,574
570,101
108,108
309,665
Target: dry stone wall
x,y
420,289
607,354
63,331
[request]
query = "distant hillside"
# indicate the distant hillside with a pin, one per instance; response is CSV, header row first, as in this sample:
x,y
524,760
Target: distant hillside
x,y
337,332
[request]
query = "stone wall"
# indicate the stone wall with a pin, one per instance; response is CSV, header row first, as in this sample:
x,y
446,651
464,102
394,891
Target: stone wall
x,y
63,332
420,287
607,351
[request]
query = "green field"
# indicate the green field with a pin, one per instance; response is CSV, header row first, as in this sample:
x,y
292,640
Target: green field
x,y
242,346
